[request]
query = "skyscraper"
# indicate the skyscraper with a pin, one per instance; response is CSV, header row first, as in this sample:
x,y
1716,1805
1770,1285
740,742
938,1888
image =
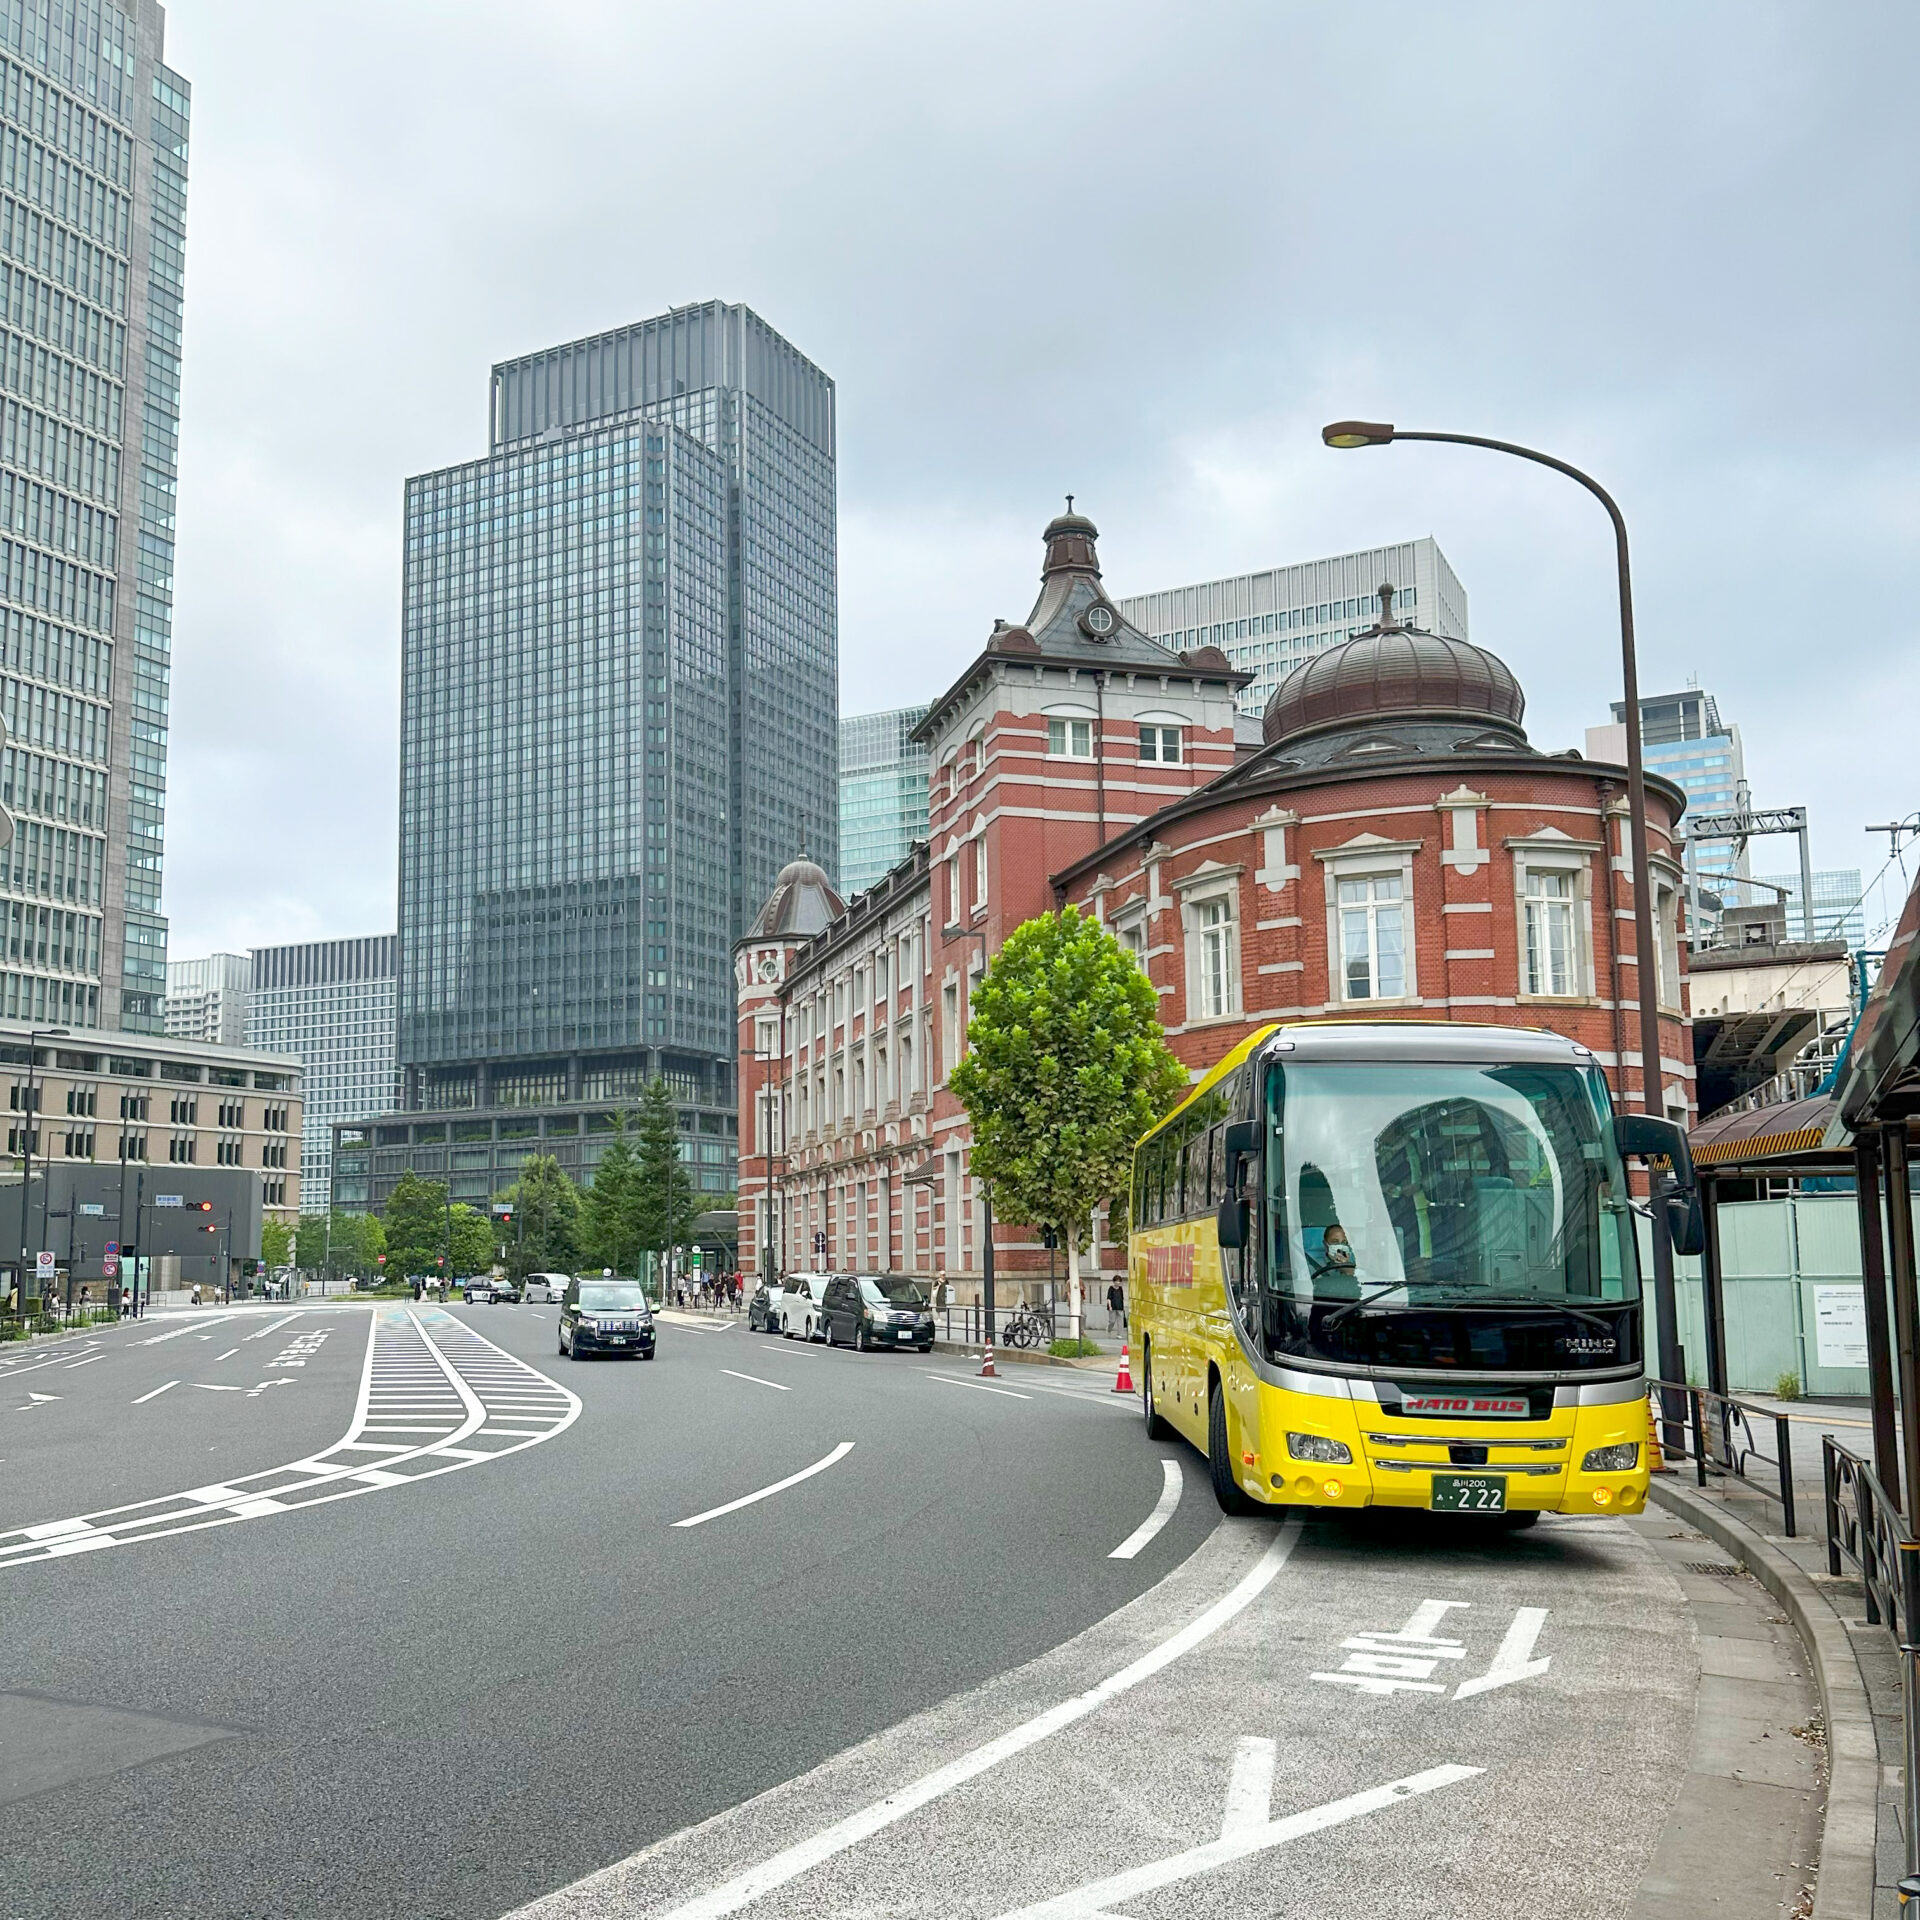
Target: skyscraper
x,y
1268,623
1838,910
93,174
1683,736
207,999
883,794
329,1003
618,720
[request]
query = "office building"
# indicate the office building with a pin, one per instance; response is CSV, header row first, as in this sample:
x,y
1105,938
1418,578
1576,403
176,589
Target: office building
x,y
1838,912
207,999
619,716
93,164
329,1004
883,794
83,1102
1269,623
1683,737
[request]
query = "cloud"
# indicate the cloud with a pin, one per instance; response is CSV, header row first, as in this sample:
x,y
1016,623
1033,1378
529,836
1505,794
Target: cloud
x,y
1136,251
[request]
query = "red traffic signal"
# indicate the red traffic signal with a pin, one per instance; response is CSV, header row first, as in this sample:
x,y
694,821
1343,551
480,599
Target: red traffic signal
x,y
200,1206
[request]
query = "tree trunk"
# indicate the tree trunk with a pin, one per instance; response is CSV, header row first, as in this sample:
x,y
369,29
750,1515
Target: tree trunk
x,y
1073,1286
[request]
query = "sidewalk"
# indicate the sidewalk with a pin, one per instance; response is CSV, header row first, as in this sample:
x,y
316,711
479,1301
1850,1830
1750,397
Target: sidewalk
x,y
1856,1666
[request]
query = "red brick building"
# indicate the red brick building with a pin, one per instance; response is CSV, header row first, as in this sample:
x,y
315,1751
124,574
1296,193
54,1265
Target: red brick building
x,y
1392,847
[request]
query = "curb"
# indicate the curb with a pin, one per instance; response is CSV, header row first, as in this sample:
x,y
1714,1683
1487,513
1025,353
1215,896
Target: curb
x,y
1843,1887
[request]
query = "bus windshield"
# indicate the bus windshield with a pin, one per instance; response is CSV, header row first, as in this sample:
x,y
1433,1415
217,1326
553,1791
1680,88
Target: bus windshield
x,y
1446,1214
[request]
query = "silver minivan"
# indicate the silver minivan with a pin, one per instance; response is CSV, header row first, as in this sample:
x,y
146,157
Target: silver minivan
x,y
548,1286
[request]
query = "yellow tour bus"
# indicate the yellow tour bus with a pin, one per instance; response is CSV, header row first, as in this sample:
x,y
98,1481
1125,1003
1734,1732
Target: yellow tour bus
x,y
1394,1263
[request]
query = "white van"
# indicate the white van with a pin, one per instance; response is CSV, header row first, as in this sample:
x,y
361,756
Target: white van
x,y
548,1286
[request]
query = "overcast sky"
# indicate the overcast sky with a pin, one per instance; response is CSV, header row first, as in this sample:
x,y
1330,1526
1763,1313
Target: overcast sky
x,y
1139,252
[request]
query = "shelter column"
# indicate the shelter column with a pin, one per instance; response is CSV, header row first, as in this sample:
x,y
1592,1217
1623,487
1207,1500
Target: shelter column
x,y
1873,1274
1905,1308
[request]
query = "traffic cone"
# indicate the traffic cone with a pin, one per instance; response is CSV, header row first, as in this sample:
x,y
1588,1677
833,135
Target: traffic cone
x,y
1125,1382
986,1365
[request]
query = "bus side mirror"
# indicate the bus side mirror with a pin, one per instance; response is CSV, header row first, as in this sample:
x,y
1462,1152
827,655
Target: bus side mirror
x,y
1231,1223
1646,1136
1242,1138
1686,1222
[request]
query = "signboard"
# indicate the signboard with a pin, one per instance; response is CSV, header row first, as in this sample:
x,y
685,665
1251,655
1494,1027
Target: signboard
x,y
168,1200
1840,1326
110,1264
88,1206
43,1264
696,1259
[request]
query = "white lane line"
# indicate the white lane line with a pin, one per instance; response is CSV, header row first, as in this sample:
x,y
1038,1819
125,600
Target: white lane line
x,y
757,1381
228,1355
1158,1518
264,1331
155,1394
793,1861
766,1493
979,1386
88,1361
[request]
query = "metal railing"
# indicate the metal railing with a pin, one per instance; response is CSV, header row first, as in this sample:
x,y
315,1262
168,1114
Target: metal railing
x,y
1866,1530
1721,1433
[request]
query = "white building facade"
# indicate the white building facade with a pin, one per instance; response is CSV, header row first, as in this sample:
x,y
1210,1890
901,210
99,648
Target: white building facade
x,y
207,999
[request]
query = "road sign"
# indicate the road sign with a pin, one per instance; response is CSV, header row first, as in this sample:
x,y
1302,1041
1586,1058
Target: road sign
x,y
89,1206
696,1259
43,1264
168,1200
110,1264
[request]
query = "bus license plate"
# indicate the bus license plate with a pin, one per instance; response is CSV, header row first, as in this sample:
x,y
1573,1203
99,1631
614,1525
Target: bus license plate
x,y
1468,1493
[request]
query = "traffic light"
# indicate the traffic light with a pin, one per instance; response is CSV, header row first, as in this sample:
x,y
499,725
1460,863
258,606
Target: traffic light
x,y
200,1206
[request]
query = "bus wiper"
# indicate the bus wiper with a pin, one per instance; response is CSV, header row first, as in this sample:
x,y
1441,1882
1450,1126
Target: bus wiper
x,y
1549,1306
1367,1299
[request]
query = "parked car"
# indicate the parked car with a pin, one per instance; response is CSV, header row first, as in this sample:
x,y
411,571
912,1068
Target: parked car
x,y
548,1287
763,1310
606,1316
876,1310
478,1291
507,1290
802,1297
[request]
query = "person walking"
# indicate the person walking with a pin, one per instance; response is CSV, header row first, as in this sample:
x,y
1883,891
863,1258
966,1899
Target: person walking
x,y
1116,1305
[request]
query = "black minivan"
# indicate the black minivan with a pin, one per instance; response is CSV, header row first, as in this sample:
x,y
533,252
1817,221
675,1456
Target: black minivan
x,y
606,1316
876,1310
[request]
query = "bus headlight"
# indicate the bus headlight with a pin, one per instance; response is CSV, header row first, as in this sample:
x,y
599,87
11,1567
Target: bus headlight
x,y
1314,1446
1620,1459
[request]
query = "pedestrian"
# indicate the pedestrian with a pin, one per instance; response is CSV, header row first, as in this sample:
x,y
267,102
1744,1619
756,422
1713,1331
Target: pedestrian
x,y
1116,1305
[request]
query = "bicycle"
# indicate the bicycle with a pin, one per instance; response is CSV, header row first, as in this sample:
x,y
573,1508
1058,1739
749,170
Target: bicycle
x,y
1025,1328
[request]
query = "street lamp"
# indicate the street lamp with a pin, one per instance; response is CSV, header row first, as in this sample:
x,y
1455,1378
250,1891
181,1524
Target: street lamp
x,y
27,1131
986,1192
1371,433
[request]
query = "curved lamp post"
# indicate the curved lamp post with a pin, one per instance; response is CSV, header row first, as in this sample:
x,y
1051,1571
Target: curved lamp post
x,y
1371,433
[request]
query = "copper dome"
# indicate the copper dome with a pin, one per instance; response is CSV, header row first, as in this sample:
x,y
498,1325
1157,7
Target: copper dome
x,y
1394,672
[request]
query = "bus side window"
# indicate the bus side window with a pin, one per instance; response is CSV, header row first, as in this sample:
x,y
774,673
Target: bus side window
x,y
1199,1168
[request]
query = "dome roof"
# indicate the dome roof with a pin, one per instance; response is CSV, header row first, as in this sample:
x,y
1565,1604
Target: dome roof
x,y
802,902
1394,671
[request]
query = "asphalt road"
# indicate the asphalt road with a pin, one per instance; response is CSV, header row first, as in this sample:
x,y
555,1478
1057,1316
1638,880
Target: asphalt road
x,y
327,1690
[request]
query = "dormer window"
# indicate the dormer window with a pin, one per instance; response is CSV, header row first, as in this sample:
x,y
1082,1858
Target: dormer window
x,y
1070,739
1161,745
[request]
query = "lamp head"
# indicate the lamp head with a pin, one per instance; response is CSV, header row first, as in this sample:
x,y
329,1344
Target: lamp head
x,y
1357,433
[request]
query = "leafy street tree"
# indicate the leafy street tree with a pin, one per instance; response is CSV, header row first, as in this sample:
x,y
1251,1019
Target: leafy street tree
x,y
1065,1069
611,1228
545,1236
666,1203
474,1244
357,1240
276,1243
416,1225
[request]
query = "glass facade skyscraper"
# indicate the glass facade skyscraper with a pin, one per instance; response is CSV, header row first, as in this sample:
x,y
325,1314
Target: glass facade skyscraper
x,y
329,1003
619,692
1683,736
883,794
93,193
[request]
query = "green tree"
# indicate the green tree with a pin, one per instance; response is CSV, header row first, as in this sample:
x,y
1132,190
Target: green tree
x,y
351,1242
545,1232
666,1203
276,1243
1066,1067
474,1243
416,1224
610,1225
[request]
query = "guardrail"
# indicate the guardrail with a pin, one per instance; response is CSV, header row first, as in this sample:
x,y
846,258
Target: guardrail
x,y
1866,1530
1720,1432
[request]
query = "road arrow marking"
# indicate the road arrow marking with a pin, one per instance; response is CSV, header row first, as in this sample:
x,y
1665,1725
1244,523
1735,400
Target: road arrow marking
x,y
207,1386
1511,1663
1246,1830
37,1399
254,1393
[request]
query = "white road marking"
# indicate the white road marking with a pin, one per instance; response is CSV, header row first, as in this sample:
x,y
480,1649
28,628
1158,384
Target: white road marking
x,y
1249,1787
88,1361
757,1381
342,1471
208,1386
1239,1838
174,1335
1158,1518
155,1394
1402,1662
766,1493
264,1331
38,1399
803,1857
979,1386
1512,1661
228,1355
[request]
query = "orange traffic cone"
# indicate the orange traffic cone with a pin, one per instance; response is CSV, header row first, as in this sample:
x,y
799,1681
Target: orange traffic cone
x,y
986,1365
1125,1382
